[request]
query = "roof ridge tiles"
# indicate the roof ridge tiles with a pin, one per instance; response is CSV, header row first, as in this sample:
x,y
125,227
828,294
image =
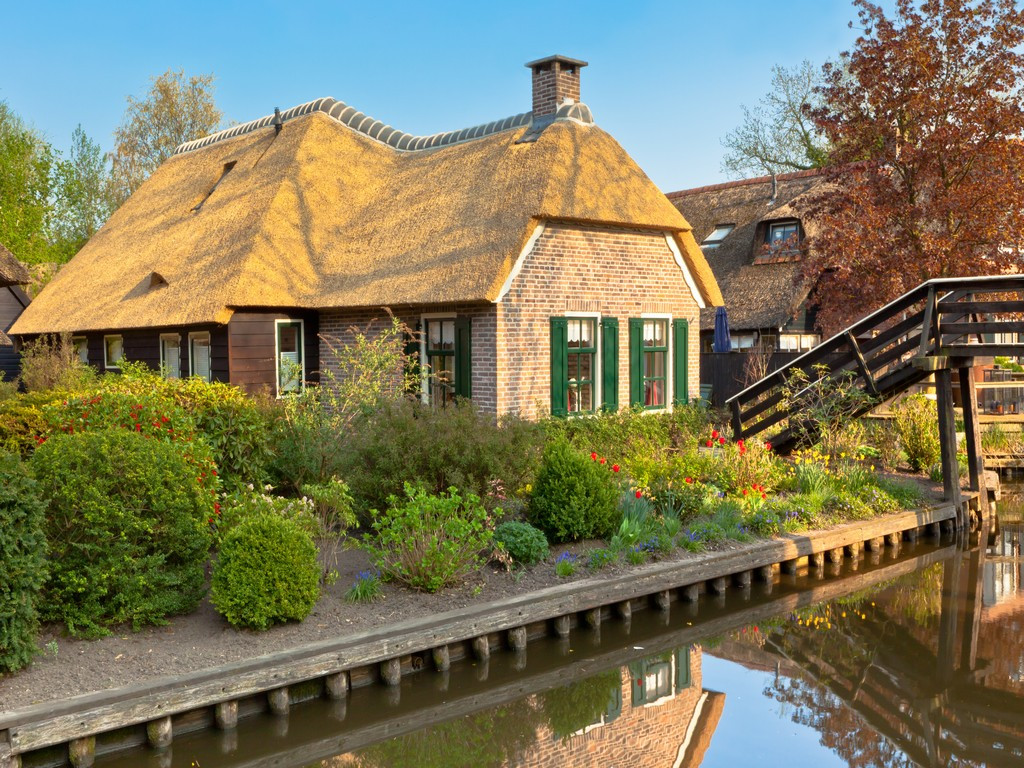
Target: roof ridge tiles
x,y
369,126
747,182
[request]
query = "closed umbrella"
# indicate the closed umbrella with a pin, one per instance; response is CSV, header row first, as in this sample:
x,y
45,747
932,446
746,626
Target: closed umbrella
x,y
722,342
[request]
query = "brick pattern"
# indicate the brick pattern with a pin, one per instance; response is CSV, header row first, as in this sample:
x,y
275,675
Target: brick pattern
x,y
573,268
644,735
339,327
553,82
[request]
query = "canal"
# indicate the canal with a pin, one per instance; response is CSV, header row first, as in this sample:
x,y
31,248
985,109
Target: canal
x,y
904,658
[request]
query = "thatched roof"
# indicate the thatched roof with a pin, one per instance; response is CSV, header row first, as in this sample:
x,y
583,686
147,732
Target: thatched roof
x,y
756,295
11,270
322,214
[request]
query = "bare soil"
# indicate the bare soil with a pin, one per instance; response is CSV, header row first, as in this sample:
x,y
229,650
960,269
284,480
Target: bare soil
x,y
68,667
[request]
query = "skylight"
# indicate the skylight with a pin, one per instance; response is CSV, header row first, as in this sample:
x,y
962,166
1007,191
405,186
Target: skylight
x,y
719,234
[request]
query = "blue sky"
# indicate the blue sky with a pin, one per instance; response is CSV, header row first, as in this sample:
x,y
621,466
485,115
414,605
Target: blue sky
x,y
665,78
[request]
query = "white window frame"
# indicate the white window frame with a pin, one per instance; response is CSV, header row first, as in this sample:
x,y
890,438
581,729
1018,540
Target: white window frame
x,y
598,372
164,370
209,343
670,343
277,352
107,364
707,242
424,375
84,342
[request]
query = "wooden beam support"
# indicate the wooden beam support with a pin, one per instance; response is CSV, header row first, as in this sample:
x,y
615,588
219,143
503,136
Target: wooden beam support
x,y
947,437
972,434
862,365
926,323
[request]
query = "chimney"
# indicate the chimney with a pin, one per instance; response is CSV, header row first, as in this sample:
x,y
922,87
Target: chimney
x,y
556,80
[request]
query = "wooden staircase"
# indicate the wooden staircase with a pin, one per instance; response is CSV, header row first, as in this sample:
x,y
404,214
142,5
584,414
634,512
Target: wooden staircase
x,y
938,326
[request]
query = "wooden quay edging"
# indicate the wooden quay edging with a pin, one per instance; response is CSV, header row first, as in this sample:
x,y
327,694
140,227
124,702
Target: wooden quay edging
x,y
218,696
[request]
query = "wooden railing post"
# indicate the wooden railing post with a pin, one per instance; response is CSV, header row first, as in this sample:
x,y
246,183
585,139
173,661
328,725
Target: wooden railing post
x,y
947,440
972,436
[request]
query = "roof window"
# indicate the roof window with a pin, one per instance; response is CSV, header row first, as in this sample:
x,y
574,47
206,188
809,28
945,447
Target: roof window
x,y
719,234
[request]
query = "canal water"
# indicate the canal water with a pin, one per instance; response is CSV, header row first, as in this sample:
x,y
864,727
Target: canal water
x,y
903,659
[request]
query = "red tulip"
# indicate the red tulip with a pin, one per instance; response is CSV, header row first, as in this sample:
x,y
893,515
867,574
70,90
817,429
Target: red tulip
x,y
714,434
709,443
639,494
593,456
721,441
604,461
615,467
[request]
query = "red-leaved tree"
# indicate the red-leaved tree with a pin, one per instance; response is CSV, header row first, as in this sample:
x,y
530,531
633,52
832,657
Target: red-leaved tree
x,y
926,120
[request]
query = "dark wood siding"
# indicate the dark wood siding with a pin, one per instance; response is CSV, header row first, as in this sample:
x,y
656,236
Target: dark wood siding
x,y
12,300
143,345
252,348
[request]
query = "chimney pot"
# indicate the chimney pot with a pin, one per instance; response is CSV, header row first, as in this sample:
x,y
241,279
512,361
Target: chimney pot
x,y
556,81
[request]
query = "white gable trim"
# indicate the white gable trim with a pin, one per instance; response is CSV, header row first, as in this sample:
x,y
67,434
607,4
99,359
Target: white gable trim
x,y
674,247
517,267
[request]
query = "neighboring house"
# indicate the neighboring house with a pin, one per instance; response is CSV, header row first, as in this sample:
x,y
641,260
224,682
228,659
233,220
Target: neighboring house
x,y
546,271
752,233
13,301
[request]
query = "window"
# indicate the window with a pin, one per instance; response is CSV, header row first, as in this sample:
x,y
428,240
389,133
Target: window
x,y
447,359
798,342
783,237
581,338
743,340
199,363
170,355
291,372
719,234
113,351
584,364
81,347
655,363
440,340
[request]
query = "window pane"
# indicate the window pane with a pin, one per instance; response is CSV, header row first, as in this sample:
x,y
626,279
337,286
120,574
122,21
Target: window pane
x,y
81,350
289,338
586,367
440,335
654,393
586,397
115,349
654,365
654,333
170,354
442,388
201,357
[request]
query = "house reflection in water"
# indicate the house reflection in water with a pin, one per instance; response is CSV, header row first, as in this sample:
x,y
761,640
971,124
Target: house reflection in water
x,y
658,715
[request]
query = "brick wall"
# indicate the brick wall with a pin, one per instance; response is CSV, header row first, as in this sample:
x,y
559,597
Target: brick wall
x,y
614,272
553,82
643,735
339,327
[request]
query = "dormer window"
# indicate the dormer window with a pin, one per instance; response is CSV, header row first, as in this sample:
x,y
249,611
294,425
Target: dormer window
x,y
781,242
719,234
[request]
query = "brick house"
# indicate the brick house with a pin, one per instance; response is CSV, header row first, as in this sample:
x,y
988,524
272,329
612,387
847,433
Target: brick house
x,y
13,300
544,269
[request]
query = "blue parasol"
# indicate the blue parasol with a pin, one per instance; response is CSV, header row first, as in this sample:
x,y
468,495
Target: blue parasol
x,y
722,342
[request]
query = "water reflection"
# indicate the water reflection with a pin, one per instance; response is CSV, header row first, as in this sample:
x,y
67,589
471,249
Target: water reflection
x,y
905,658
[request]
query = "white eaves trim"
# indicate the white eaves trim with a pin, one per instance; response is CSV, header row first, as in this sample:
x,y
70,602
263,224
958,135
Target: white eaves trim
x,y
674,247
518,266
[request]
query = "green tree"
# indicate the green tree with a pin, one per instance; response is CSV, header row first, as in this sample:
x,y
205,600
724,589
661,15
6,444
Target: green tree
x,y
778,135
81,195
178,108
26,162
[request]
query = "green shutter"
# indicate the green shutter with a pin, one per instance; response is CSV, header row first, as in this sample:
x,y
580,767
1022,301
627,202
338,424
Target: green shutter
x,y
680,360
610,364
463,358
559,366
683,669
636,361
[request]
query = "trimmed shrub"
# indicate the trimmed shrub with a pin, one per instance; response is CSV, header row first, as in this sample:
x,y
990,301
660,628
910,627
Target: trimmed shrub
x,y
459,446
127,521
429,542
22,562
573,497
266,572
239,506
524,543
23,420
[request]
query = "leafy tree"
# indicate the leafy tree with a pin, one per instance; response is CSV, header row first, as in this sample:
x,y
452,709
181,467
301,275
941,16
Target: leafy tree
x,y
26,162
778,135
81,195
178,108
924,117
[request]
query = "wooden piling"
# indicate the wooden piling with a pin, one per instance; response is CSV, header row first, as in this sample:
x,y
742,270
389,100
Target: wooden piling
x,y
225,715
82,752
663,600
788,567
592,618
159,733
482,646
691,593
742,579
765,573
835,555
717,585
336,685
817,559
279,700
391,672
517,638
625,610
442,661
561,625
